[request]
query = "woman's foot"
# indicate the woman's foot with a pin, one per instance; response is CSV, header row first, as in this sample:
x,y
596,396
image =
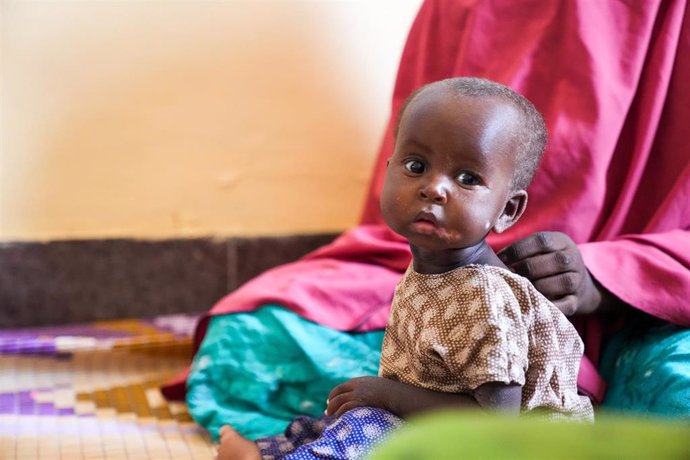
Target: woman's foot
x,y
234,446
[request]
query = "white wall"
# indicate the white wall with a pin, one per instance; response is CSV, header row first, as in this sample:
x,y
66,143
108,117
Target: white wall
x,y
158,119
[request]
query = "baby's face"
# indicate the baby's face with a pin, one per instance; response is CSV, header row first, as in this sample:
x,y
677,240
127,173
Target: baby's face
x,y
451,172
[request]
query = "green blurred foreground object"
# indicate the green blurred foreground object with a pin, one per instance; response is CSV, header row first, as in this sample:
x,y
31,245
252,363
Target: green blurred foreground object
x,y
449,435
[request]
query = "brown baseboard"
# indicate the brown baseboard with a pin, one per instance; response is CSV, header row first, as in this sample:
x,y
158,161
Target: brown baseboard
x,y
59,282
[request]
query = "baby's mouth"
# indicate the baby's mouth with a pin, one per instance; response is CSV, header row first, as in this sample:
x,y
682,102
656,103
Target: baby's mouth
x,y
426,216
426,222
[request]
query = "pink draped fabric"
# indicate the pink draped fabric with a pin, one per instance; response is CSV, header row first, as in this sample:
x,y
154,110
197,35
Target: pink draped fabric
x,y
611,79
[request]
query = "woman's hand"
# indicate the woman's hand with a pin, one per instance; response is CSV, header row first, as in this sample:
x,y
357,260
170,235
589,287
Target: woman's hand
x,y
553,263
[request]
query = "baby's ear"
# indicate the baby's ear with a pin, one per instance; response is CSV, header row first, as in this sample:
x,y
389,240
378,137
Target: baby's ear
x,y
512,211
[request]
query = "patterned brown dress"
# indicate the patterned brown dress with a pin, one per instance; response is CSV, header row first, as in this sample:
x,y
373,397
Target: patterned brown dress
x,y
455,331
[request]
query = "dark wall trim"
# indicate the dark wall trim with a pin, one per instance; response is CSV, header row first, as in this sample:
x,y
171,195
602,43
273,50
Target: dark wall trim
x,y
61,282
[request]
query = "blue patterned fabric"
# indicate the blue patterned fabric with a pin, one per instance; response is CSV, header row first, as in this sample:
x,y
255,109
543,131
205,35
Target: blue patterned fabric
x,y
648,370
349,437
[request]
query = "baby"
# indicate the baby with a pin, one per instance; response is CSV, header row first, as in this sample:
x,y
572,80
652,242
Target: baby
x,y
463,330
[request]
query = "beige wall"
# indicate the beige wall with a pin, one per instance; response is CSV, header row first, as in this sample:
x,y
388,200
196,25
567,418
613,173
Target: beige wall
x,y
157,119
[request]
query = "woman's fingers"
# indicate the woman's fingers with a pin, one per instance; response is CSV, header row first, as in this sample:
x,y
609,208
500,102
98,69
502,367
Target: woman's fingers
x,y
534,244
546,265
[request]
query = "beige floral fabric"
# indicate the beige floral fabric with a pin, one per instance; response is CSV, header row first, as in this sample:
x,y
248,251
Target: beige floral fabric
x,y
455,331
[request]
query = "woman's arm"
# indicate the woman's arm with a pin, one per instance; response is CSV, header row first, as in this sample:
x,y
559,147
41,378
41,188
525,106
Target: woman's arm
x,y
404,400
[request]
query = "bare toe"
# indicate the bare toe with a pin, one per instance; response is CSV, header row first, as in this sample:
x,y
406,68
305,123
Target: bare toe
x,y
234,446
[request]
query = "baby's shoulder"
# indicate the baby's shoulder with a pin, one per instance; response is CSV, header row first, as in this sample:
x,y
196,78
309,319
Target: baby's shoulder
x,y
509,292
496,280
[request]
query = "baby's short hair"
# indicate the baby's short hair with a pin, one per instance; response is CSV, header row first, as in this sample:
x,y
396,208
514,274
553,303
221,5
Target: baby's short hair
x,y
532,131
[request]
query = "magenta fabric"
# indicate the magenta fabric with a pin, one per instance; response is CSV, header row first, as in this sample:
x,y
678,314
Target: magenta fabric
x,y
347,285
611,79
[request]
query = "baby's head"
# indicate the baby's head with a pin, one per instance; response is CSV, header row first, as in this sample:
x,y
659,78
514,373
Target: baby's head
x,y
530,133
465,151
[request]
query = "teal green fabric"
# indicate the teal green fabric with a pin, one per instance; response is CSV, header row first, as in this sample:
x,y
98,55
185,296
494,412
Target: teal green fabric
x,y
463,435
648,370
257,371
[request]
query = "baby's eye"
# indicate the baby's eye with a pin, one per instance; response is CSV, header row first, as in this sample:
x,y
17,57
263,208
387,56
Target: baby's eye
x,y
466,178
414,166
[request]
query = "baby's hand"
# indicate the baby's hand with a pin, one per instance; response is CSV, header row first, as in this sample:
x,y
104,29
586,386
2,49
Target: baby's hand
x,y
359,391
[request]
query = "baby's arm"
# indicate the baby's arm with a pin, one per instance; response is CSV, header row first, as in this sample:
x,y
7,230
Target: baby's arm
x,y
499,396
404,400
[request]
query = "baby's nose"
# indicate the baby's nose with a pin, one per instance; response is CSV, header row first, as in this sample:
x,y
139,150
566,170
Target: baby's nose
x,y
435,191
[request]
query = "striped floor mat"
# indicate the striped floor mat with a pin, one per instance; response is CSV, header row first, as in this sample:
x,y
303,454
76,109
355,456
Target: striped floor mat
x,y
91,392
